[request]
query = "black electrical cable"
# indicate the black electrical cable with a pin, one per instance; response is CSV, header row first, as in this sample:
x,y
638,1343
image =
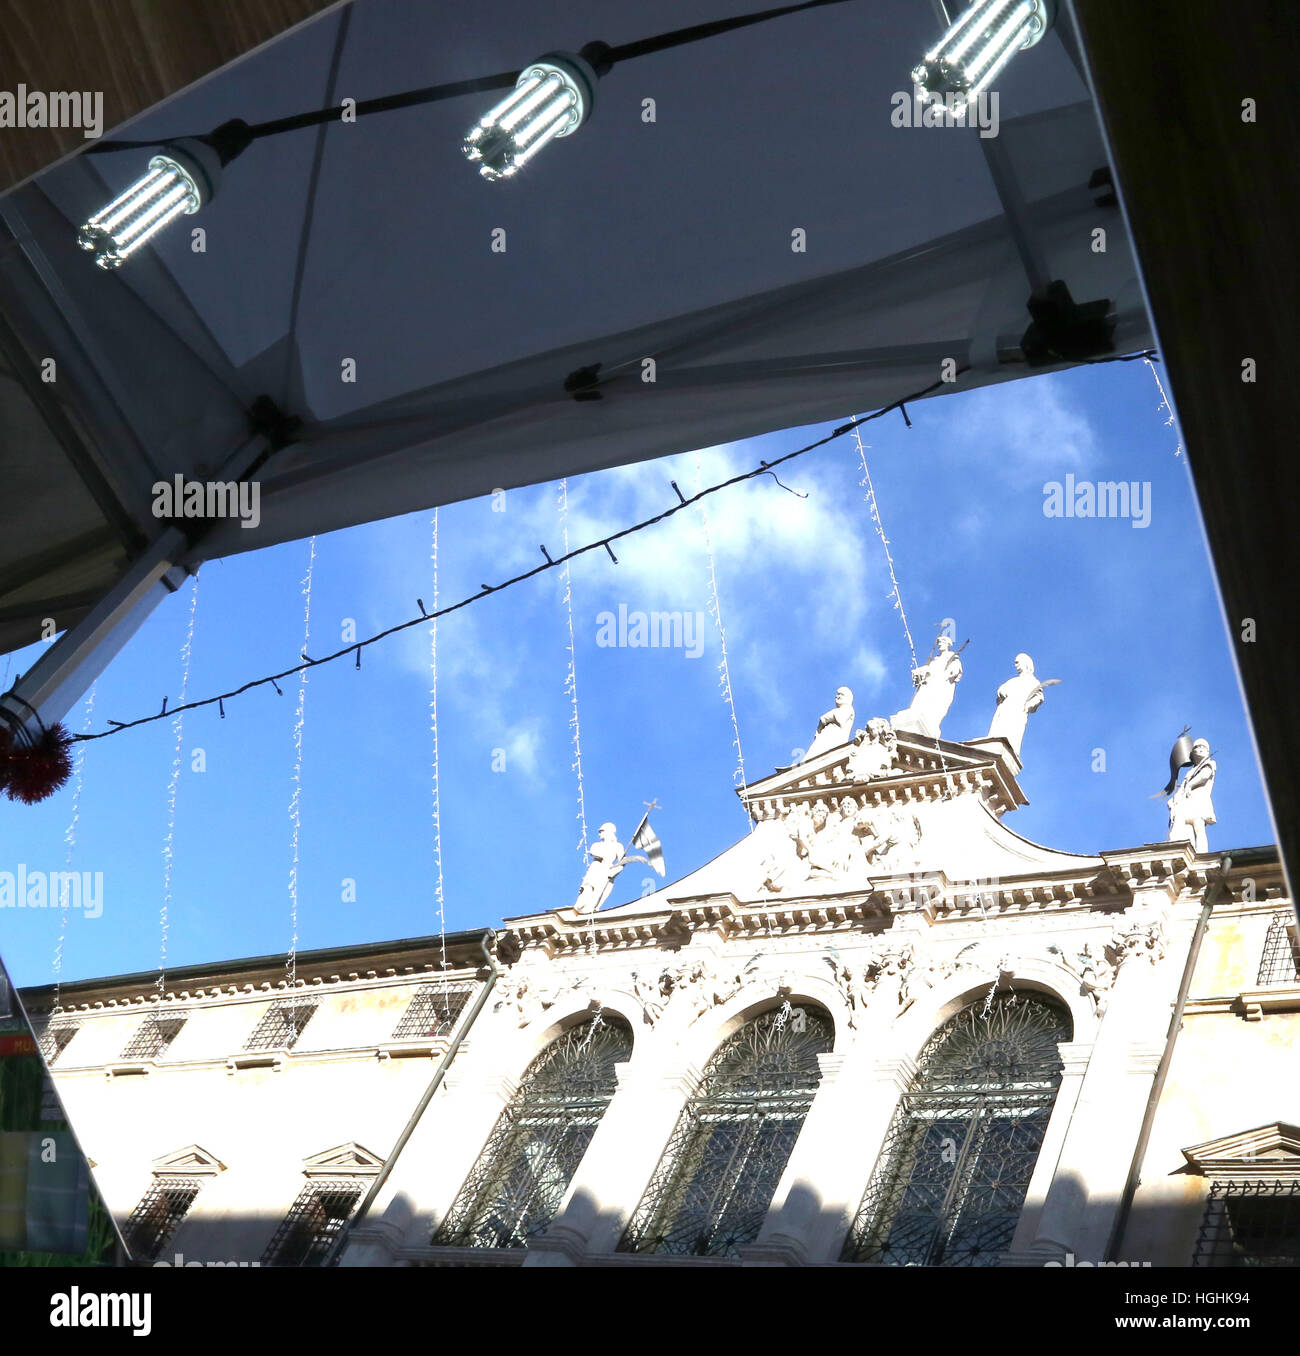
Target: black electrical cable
x,y
603,56
602,544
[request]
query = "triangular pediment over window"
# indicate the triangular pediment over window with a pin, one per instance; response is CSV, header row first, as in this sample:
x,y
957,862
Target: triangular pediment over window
x,y
192,1161
343,1160
1267,1151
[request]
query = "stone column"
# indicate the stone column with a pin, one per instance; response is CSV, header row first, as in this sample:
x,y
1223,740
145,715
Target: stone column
x,y
619,1162
1091,1172
434,1164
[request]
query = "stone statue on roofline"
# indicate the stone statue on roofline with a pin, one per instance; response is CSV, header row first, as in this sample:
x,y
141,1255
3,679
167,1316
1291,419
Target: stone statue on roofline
x,y
1190,806
936,683
835,727
606,858
1018,699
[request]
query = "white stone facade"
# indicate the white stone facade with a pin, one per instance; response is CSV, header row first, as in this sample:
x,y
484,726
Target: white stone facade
x,y
901,901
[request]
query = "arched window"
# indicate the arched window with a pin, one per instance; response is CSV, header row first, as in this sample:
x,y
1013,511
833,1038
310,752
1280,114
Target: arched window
x,y
713,1186
952,1176
515,1188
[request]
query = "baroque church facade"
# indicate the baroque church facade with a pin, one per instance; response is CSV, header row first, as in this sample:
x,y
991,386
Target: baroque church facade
x,y
881,1029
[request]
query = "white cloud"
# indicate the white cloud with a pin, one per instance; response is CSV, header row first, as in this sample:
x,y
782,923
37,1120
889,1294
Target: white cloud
x,y
1025,428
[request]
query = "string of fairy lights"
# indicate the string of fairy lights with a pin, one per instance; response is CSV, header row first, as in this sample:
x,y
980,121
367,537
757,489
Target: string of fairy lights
x,y
1165,405
70,845
571,674
295,798
563,562
766,467
436,788
724,663
173,788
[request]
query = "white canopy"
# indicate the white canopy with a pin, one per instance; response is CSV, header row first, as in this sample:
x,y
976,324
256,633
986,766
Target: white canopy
x,y
674,239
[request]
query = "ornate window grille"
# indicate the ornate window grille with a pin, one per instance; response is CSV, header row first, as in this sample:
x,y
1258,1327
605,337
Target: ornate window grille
x,y
281,1026
716,1179
55,1038
952,1176
1250,1224
432,1012
153,1037
1280,963
314,1221
515,1189
154,1220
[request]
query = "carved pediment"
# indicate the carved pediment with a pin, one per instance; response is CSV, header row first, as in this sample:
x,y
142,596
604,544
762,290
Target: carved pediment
x,y
192,1161
892,767
1267,1151
343,1161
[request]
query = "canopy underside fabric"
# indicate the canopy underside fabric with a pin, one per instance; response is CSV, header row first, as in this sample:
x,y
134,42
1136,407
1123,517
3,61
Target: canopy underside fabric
x,y
677,241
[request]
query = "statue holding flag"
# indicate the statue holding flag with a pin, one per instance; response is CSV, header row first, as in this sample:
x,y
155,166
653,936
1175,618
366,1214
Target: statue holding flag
x,y
1190,806
606,858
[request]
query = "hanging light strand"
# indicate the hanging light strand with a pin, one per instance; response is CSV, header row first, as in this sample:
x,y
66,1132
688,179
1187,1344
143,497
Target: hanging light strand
x,y
558,562
724,664
70,841
173,789
437,799
1166,406
894,591
571,679
295,799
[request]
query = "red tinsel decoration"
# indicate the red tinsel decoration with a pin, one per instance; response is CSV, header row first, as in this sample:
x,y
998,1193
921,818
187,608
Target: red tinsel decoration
x,y
33,772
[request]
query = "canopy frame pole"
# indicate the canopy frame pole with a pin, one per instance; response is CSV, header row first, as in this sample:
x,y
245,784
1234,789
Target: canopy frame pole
x,y
56,682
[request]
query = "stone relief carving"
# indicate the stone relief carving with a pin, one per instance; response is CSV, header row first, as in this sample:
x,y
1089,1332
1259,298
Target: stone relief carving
x,y
815,845
882,968
652,992
875,751
1094,970
1137,941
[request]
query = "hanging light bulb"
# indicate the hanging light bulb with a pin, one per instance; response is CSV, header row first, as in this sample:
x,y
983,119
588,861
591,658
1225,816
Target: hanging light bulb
x,y
552,98
972,53
177,184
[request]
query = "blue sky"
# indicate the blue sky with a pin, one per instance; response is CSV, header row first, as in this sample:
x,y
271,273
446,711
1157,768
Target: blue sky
x,y
1128,618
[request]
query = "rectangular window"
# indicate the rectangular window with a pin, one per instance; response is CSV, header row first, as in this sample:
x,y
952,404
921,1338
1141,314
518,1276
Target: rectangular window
x,y
154,1220
55,1039
432,1012
1280,963
1251,1224
281,1026
313,1223
153,1037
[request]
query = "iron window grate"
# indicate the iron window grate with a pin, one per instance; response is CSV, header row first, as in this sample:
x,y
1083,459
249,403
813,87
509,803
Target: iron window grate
x,y
514,1190
1280,963
1250,1224
313,1223
281,1026
716,1178
154,1220
55,1039
153,1037
432,1012
952,1176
